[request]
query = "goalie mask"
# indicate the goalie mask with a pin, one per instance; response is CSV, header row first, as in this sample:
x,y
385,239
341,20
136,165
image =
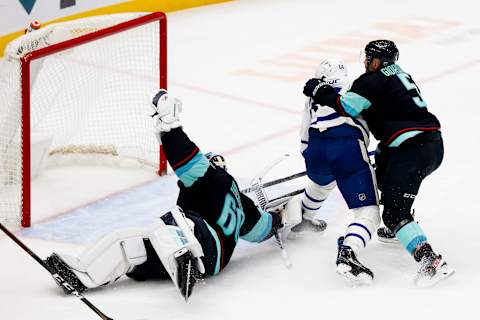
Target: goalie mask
x,y
216,159
332,72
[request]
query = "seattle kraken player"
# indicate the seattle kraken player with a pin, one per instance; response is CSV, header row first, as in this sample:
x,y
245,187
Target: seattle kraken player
x,y
335,150
194,239
410,145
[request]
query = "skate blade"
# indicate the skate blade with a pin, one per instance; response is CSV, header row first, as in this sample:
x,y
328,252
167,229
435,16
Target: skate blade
x,y
393,241
186,276
442,274
361,279
306,227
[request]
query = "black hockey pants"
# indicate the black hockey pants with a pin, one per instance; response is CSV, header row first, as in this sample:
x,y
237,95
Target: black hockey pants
x,y
400,172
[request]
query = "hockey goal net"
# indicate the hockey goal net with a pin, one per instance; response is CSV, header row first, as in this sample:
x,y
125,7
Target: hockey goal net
x,y
79,89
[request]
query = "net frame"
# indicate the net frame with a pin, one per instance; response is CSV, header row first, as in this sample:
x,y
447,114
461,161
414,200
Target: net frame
x,y
25,62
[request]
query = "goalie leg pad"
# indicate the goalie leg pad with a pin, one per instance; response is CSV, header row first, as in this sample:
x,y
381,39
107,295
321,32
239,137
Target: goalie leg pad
x,y
178,249
359,232
169,238
110,258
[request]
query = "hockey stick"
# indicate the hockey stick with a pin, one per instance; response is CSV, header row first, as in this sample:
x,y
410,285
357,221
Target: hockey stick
x,y
274,182
290,194
262,202
259,176
56,276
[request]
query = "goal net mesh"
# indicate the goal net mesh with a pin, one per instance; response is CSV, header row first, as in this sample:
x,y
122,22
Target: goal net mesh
x,y
90,99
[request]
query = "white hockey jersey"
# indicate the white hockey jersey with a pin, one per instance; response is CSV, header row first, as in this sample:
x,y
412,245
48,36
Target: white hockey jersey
x,y
323,117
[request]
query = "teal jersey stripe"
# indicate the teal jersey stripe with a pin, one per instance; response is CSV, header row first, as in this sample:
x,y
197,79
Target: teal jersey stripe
x,y
193,169
410,236
261,228
219,249
404,136
354,103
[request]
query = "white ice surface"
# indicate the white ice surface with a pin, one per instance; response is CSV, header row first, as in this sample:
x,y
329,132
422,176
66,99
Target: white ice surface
x,y
239,68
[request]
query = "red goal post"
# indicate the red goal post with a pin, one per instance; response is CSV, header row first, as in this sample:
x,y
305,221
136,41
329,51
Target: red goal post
x,y
127,74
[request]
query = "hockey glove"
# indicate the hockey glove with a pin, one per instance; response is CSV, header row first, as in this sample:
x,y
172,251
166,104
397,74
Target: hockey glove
x,y
166,111
320,93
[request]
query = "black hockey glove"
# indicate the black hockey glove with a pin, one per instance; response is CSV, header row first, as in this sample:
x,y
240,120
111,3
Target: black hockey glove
x,y
320,93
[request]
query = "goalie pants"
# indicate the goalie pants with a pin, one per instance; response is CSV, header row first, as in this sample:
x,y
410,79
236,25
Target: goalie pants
x,y
400,172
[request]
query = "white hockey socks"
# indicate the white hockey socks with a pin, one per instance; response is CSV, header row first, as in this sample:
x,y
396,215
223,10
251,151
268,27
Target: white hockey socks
x,y
360,231
313,198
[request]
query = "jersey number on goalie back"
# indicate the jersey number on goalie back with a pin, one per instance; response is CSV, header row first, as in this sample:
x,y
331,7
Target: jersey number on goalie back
x,y
232,217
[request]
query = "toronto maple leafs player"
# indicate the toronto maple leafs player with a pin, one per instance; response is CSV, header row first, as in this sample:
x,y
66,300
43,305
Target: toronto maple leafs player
x,y
410,145
335,150
196,238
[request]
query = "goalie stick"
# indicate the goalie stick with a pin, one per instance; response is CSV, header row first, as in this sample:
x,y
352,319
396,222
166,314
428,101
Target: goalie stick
x,y
262,200
288,195
284,179
274,182
56,276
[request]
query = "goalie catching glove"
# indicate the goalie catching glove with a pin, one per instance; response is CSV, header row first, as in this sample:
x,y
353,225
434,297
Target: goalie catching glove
x,y
166,112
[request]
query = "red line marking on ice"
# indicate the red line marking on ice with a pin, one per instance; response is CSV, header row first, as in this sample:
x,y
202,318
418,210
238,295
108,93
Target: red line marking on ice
x,y
269,137
102,198
237,98
449,71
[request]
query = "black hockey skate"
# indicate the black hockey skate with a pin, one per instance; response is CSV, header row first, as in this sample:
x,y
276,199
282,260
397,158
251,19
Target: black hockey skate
x,y
432,269
349,267
386,235
187,272
71,283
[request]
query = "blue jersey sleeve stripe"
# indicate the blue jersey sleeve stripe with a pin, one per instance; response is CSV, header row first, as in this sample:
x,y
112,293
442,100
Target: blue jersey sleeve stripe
x,y
326,118
193,169
219,250
261,228
354,103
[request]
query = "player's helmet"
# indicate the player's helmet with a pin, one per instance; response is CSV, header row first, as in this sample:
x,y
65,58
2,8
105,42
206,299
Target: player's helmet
x,y
332,72
385,50
216,159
